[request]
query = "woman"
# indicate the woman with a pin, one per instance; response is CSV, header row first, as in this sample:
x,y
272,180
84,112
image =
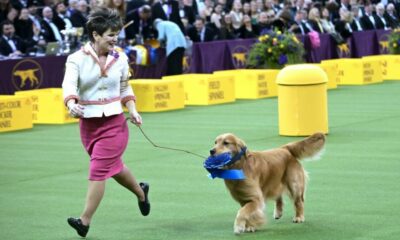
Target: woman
x,y
95,84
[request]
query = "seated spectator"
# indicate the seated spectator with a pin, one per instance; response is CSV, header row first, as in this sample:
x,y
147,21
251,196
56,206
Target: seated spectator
x,y
167,10
79,17
248,30
314,20
380,21
327,24
24,25
216,17
200,32
10,44
48,29
343,26
283,22
300,25
368,20
187,10
265,20
227,32
253,12
60,19
355,22
237,14
12,15
5,7
391,16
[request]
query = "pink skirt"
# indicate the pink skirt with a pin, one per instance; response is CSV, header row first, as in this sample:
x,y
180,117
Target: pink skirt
x,y
105,139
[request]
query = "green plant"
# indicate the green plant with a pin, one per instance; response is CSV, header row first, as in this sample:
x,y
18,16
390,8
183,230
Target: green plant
x,y
274,50
394,41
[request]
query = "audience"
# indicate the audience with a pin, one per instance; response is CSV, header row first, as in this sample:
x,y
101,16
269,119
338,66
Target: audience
x,y
32,23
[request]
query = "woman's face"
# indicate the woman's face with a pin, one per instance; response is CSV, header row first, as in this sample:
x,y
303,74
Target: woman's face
x,y
246,7
107,41
117,3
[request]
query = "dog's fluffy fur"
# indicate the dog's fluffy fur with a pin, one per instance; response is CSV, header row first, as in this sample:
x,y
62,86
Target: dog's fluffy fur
x,y
268,175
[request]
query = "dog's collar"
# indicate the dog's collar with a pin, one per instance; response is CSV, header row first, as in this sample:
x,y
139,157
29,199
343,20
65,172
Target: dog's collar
x,y
238,156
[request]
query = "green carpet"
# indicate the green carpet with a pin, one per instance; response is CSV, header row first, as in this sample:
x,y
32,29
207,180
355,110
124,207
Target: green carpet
x,y
353,193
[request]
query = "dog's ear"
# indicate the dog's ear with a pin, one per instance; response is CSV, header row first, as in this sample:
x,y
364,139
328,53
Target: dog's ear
x,y
240,144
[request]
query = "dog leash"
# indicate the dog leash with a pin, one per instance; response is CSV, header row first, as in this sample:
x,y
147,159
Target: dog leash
x,y
169,148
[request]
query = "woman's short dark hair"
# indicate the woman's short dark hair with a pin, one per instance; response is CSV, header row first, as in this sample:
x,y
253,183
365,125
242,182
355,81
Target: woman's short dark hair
x,y
102,19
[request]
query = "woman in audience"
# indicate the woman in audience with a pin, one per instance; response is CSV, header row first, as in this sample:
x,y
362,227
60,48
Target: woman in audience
x,y
314,20
227,30
237,14
248,30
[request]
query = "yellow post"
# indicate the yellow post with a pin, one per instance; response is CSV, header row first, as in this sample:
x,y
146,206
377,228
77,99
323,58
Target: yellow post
x,y
302,100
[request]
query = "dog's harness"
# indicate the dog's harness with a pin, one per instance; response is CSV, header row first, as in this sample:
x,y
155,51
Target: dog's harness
x,y
214,165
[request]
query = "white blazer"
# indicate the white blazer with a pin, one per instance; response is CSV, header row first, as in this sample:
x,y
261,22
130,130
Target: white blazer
x,y
101,91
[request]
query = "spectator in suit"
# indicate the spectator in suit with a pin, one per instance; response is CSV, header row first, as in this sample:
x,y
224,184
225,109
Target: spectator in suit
x,y
175,42
24,25
343,26
49,30
380,21
200,32
60,18
355,22
300,25
368,20
187,10
141,23
167,10
392,16
79,17
10,44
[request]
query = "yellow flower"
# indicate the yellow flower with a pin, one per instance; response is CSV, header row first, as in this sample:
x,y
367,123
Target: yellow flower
x,y
395,45
281,46
295,39
279,32
269,50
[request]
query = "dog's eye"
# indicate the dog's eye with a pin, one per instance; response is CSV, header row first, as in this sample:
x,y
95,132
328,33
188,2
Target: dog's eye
x,y
225,143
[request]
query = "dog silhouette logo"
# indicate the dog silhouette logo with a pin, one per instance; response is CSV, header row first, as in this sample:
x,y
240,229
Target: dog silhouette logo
x,y
343,50
27,74
239,55
383,44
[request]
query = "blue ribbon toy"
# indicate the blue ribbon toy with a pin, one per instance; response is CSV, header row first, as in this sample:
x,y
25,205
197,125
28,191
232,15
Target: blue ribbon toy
x,y
214,165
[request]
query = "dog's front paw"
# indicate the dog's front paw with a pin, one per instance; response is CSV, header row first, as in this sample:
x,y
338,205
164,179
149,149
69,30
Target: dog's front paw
x,y
237,229
277,214
298,219
250,229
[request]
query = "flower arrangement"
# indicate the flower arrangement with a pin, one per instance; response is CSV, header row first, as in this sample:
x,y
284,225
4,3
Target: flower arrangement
x,y
394,41
274,50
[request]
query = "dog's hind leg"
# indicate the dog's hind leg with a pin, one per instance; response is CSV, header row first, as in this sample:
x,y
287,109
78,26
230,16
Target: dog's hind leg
x,y
249,217
278,212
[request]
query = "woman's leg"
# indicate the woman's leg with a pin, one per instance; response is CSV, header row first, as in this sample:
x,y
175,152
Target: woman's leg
x,y
126,179
93,198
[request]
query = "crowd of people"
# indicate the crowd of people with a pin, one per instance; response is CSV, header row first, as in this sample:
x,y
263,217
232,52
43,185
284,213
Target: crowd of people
x,y
27,25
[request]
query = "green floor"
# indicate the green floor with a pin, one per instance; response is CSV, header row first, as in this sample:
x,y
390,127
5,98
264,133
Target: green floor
x,y
354,191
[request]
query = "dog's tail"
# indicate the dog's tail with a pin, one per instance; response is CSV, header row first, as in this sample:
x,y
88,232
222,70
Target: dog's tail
x,y
310,147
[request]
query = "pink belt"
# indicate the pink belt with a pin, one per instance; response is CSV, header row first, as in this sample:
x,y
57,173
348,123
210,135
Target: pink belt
x,y
100,101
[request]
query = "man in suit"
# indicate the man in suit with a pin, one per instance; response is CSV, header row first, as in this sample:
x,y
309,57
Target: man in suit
x,y
79,17
391,16
356,23
200,32
60,19
381,22
368,20
10,44
49,30
141,25
167,10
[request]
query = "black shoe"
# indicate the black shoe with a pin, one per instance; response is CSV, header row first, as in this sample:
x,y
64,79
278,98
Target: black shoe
x,y
77,224
144,206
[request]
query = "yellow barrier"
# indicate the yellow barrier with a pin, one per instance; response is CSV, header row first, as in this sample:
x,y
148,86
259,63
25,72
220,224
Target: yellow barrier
x,y
302,100
356,71
15,113
48,106
156,95
331,70
389,66
373,70
253,83
206,89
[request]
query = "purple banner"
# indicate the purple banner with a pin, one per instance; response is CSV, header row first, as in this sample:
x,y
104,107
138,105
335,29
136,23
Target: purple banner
x,y
364,44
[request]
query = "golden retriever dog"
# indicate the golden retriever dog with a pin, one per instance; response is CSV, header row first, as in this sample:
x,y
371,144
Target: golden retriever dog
x,y
269,174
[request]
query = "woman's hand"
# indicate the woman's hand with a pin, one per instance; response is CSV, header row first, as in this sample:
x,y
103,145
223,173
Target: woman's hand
x,y
75,110
135,118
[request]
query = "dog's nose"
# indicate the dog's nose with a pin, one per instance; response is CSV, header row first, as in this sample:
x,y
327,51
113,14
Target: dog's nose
x,y
212,151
